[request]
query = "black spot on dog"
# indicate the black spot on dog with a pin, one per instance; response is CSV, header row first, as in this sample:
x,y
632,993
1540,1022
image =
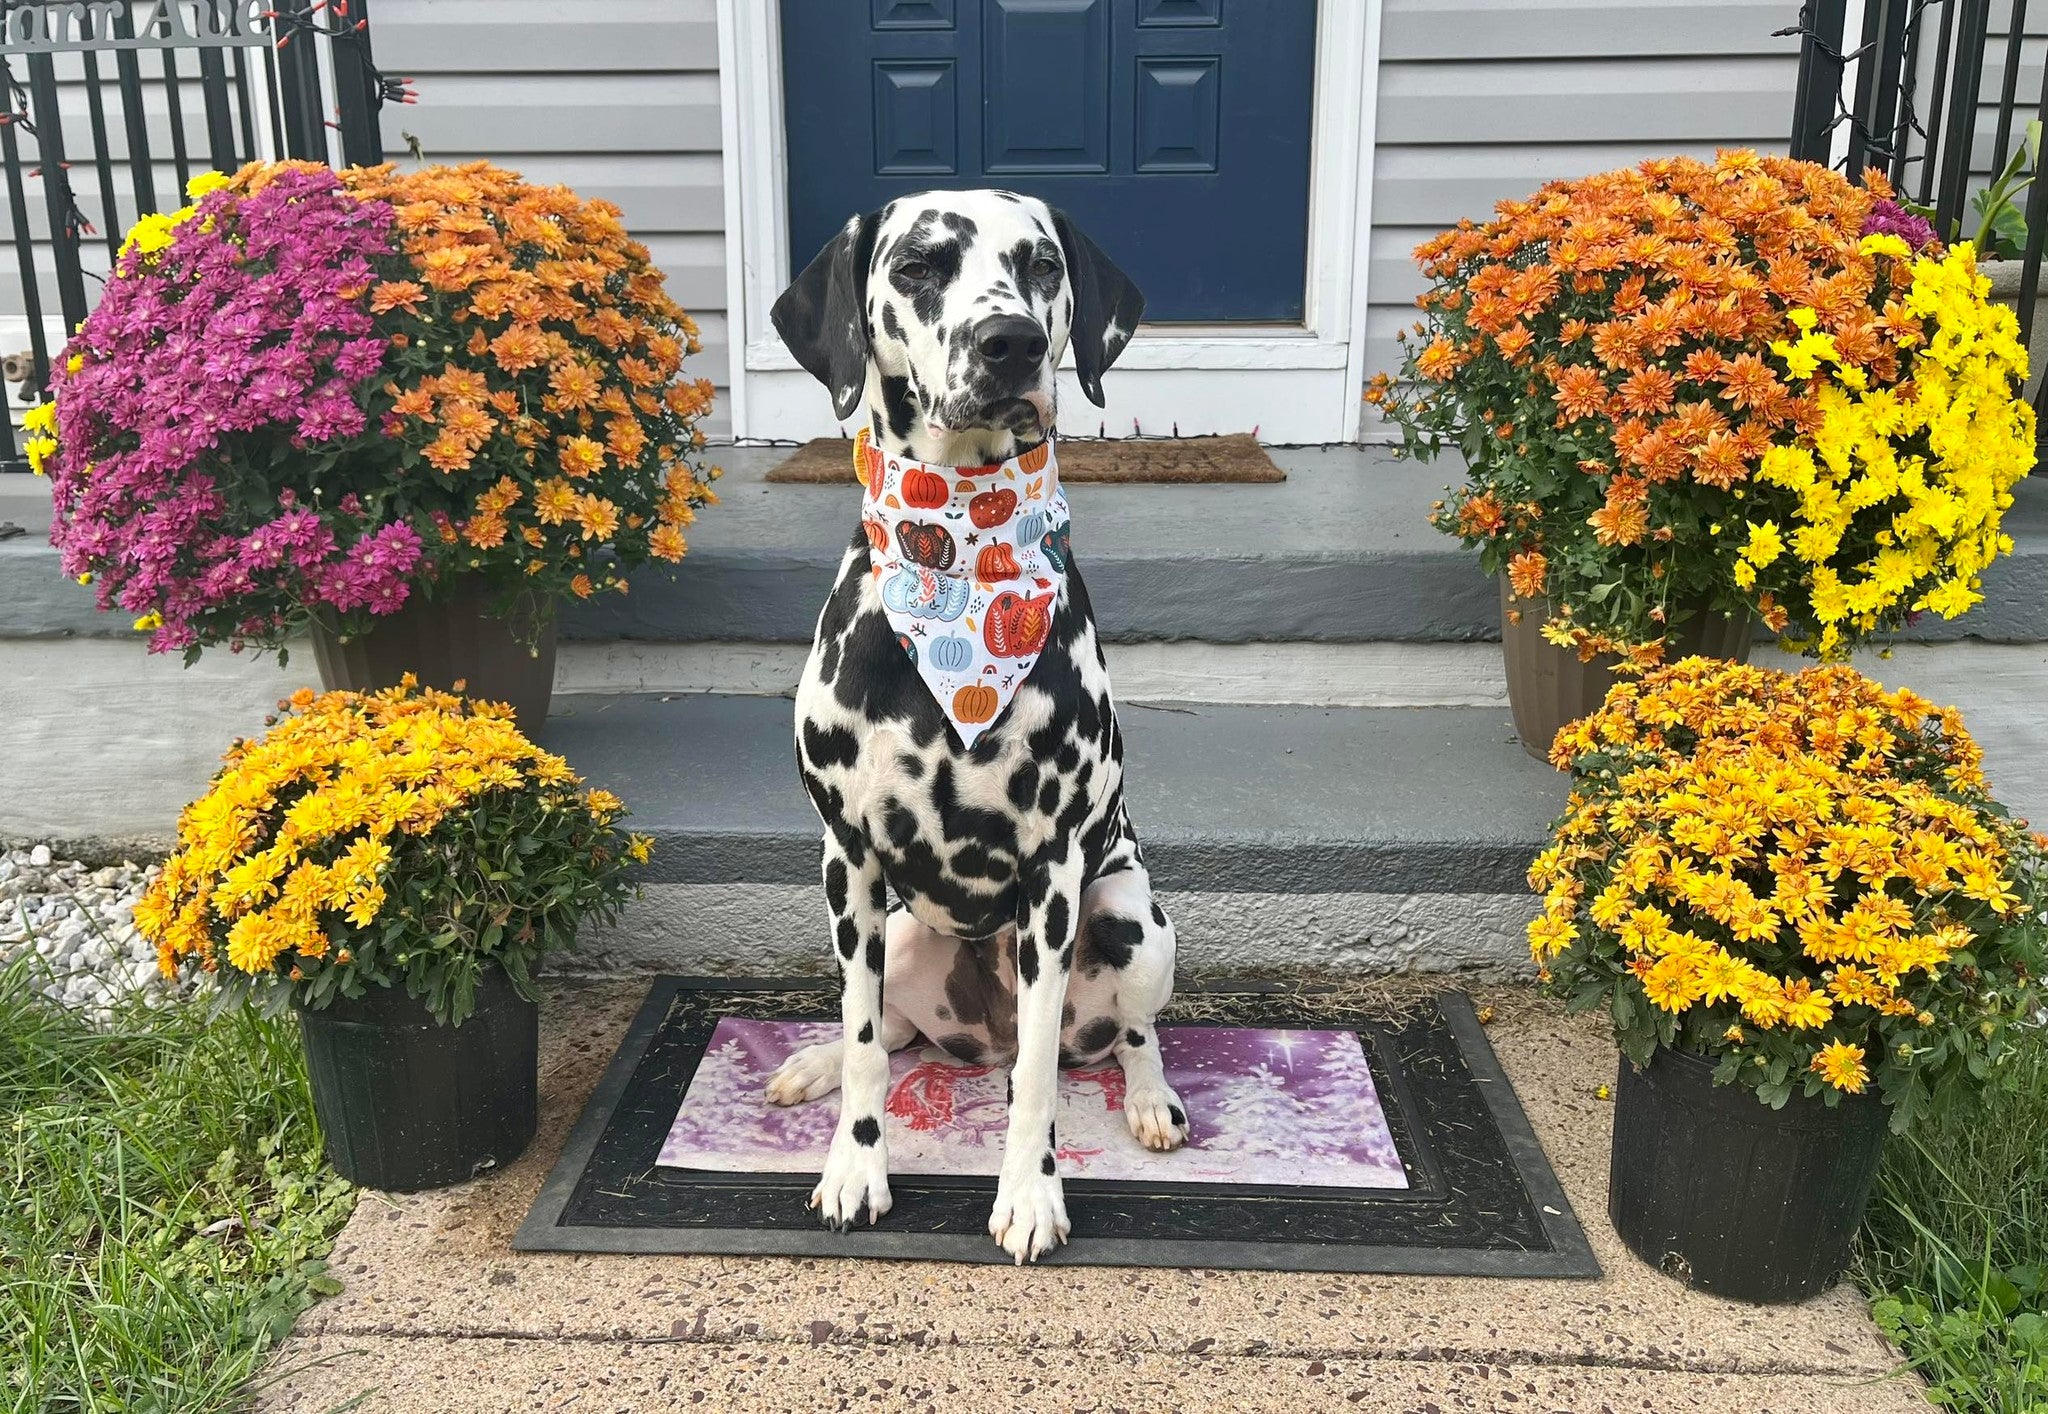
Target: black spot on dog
x,y
892,326
867,1032
1158,915
849,938
961,1046
1027,960
835,886
1056,921
1049,797
1098,1035
1067,758
1047,1167
1023,785
974,862
830,746
910,766
979,997
1179,1118
878,955
867,1132
878,893
896,406
899,824
1112,940
1134,1038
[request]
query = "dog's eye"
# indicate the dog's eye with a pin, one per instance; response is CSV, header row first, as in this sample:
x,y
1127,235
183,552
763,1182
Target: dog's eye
x,y
914,270
1044,267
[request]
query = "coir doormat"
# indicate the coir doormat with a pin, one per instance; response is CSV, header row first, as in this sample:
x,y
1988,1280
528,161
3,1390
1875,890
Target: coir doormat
x,y
1326,1137
1234,457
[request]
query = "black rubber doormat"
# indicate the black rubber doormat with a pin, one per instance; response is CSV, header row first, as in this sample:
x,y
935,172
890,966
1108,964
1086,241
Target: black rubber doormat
x,y
1481,1199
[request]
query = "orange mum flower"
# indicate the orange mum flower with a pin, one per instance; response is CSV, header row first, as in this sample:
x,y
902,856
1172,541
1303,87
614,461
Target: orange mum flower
x,y
397,294
1580,392
580,456
1526,573
1648,390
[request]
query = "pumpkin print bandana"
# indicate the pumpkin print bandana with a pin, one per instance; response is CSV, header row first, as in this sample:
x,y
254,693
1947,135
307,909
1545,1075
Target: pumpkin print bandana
x,y
970,561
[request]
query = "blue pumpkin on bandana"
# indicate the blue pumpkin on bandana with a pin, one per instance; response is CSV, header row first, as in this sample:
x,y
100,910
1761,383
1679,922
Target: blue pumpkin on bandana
x,y
923,594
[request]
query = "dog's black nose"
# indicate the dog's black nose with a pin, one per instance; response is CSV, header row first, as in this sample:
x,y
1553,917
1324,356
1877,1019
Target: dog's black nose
x,y
1010,343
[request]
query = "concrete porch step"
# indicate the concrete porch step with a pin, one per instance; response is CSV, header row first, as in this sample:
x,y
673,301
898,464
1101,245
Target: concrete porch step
x,y
1359,838
1341,552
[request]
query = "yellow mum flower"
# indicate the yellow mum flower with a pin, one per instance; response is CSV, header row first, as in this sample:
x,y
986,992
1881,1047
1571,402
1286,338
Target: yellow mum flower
x,y
1765,543
1841,1065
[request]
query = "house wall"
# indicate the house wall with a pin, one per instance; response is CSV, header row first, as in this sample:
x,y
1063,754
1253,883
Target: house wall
x,y
1485,100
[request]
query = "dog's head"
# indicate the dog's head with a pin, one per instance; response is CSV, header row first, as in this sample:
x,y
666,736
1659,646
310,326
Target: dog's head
x,y
970,297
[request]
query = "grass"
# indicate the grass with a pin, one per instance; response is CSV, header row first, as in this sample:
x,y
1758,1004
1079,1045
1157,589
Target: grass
x,y
163,1204
1956,1243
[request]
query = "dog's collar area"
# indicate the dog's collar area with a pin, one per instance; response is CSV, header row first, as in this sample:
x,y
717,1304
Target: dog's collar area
x,y
969,562
952,439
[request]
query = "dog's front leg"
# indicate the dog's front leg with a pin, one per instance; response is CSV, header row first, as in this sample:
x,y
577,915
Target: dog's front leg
x,y
1030,1216
857,1167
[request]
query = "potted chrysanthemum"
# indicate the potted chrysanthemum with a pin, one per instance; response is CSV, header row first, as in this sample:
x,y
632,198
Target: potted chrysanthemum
x,y
1693,396
395,866
1808,922
405,412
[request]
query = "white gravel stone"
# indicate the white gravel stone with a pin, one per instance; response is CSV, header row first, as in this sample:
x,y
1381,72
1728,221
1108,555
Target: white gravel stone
x,y
77,924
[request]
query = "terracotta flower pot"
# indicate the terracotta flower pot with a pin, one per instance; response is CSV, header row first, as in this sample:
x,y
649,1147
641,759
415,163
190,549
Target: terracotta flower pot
x,y
443,641
1548,686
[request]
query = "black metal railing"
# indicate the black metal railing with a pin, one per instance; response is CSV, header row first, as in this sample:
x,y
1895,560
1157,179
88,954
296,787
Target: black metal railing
x,y
109,107
1930,93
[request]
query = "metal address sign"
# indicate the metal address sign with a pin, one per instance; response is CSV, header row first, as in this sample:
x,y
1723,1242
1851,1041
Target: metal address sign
x,y
51,26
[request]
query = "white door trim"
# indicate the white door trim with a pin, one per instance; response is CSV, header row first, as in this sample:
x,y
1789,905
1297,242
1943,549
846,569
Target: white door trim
x,y
1193,378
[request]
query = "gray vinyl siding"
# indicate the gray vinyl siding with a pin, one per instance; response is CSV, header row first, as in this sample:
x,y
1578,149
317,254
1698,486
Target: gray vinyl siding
x,y
616,98
1485,100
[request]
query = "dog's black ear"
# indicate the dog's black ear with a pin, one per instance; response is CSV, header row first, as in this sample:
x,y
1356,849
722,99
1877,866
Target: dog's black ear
x,y
1107,306
823,315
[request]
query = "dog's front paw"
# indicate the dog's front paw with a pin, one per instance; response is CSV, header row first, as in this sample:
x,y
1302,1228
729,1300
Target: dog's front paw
x,y
856,1176
1030,1216
1156,1116
811,1072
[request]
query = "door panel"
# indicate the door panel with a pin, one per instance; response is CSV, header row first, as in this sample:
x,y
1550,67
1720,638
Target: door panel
x,y
1176,132
1045,77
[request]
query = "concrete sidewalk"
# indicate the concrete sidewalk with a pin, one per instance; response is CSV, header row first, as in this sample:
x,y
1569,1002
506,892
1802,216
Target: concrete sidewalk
x,y
440,1315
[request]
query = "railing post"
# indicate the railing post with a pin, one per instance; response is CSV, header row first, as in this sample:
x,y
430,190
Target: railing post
x,y
356,98
1814,101
1960,132
220,119
298,85
57,199
1877,84
24,254
128,73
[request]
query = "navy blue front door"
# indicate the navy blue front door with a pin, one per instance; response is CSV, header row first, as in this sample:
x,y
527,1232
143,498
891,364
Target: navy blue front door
x,y
1176,132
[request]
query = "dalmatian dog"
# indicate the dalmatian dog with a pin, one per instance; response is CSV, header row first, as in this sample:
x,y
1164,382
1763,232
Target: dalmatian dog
x,y
1025,932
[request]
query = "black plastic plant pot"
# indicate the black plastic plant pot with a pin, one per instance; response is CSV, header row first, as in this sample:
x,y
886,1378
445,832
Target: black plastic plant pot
x,y
408,1103
1715,1188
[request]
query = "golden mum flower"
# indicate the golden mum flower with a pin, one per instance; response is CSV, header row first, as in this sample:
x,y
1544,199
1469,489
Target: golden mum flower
x,y
1841,1065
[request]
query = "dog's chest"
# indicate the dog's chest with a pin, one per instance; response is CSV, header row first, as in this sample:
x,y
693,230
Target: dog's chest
x,y
953,826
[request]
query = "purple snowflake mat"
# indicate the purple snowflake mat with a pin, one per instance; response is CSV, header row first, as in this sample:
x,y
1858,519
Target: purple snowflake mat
x,y
1283,1107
